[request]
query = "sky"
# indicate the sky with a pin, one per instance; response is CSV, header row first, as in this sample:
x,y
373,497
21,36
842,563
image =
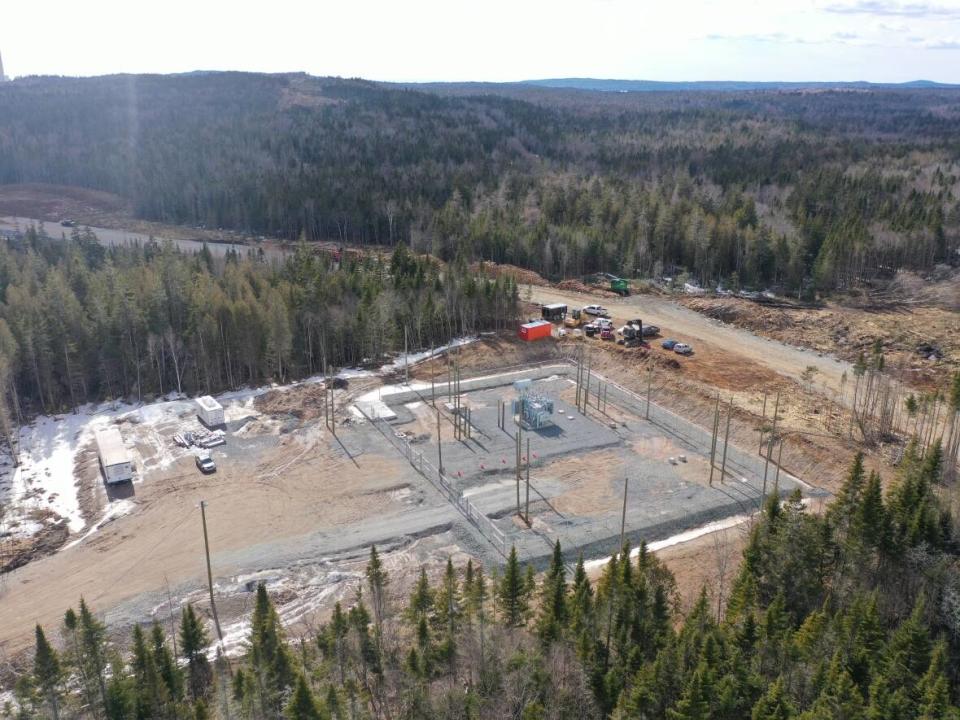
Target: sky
x,y
490,40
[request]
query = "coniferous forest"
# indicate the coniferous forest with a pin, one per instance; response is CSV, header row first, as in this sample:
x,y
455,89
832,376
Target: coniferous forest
x,y
81,322
847,615
794,189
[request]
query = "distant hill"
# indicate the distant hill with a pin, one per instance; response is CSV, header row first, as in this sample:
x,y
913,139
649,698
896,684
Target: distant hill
x,y
721,85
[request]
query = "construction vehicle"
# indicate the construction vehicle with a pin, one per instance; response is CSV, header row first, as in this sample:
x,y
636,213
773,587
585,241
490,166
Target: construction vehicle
x,y
574,319
614,283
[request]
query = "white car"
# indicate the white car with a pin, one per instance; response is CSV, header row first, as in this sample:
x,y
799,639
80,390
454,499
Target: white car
x,y
683,349
597,310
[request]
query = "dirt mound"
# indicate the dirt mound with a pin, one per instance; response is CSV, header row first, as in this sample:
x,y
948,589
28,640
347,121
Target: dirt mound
x,y
742,313
18,552
520,275
304,402
581,287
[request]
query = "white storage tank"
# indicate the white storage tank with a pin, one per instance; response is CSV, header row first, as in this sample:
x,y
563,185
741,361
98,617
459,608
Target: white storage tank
x,y
114,458
210,411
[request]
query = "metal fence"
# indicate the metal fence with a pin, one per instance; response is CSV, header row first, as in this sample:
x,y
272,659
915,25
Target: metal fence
x,y
484,525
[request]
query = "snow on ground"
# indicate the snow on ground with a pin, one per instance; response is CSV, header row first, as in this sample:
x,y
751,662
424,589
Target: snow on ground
x,y
117,508
45,481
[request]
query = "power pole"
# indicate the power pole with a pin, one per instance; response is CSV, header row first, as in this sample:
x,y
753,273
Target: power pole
x,y
406,358
517,464
763,420
623,513
439,447
528,483
713,443
206,549
726,439
649,388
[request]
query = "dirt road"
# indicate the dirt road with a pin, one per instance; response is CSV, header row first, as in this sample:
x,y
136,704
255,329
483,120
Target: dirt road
x,y
688,326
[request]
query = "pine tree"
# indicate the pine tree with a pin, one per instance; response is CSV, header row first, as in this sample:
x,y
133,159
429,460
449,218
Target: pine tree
x,y
269,655
302,705
552,617
193,647
47,672
774,705
93,641
377,581
421,601
511,592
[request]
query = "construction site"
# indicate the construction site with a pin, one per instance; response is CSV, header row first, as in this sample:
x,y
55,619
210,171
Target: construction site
x,y
464,451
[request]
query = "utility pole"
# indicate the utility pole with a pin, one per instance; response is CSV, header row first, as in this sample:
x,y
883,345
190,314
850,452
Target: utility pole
x,y
439,446
713,443
406,358
586,394
206,549
623,513
649,388
528,483
516,436
766,464
726,439
763,421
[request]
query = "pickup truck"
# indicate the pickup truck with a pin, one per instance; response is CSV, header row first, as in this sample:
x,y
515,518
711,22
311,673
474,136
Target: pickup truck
x,y
597,310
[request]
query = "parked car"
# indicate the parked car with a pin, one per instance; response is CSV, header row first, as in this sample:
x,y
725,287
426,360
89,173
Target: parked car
x,y
668,344
604,323
205,463
591,329
606,333
683,349
597,310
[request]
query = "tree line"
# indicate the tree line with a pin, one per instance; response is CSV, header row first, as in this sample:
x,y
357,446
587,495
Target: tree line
x,y
814,191
82,322
851,614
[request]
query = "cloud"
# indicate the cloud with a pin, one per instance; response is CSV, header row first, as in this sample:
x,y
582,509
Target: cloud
x,y
845,36
773,37
886,8
945,44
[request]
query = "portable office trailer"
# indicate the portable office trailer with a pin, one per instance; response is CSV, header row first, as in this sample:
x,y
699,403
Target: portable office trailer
x,y
210,411
114,458
554,312
535,330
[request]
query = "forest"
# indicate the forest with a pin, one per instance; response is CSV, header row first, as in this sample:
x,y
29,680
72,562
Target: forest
x,y
852,614
82,322
804,190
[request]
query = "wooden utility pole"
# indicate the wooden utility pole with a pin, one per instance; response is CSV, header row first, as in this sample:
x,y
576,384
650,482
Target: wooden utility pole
x,y
726,439
586,395
766,464
206,549
516,436
406,358
649,388
776,479
439,447
528,483
623,513
763,421
713,443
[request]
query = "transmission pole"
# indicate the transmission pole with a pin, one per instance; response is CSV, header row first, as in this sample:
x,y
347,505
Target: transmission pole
x,y
206,549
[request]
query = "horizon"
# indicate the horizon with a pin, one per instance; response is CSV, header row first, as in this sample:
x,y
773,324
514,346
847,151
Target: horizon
x,y
806,41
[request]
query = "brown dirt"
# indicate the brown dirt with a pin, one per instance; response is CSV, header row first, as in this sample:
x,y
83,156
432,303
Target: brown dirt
x,y
302,484
520,275
57,202
590,481
581,287
304,402
847,331
18,552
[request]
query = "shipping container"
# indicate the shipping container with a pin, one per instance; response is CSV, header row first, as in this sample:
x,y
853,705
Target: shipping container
x,y
535,330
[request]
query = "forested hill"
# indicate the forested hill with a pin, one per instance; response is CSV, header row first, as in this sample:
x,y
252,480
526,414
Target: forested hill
x,y
787,188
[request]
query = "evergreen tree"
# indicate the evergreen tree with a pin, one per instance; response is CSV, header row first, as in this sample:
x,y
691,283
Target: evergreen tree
x,y
47,672
193,648
511,593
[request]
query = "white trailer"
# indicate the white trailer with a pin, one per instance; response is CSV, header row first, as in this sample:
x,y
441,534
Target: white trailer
x,y
210,411
114,458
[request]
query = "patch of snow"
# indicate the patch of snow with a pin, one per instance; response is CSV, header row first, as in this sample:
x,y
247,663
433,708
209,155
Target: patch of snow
x,y
115,510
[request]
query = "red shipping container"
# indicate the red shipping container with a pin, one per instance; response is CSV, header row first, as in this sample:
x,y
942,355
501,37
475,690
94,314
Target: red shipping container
x,y
536,330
